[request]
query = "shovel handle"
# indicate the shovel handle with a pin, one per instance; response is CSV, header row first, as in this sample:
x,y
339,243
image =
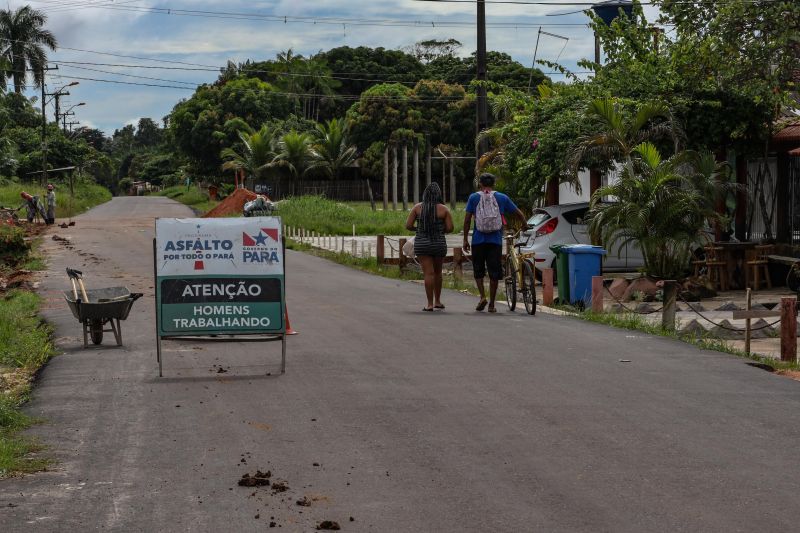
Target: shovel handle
x,y
83,290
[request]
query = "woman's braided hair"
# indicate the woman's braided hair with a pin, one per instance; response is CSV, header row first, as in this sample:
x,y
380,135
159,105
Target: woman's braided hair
x,y
431,197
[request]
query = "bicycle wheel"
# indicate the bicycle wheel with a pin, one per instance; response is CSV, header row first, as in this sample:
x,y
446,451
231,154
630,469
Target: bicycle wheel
x,y
529,288
511,285
793,279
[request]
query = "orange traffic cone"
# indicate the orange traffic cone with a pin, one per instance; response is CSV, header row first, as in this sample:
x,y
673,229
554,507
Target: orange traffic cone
x,y
289,330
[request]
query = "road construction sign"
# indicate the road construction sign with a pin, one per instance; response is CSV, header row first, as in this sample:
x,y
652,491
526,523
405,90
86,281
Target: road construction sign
x,y
219,276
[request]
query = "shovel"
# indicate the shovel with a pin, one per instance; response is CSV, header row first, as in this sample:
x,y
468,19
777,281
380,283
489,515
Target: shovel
x,y
77,275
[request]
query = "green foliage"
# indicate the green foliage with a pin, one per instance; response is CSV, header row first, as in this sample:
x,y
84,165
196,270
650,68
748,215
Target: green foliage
x,y
442,111
373,65
256,155
661,205
534,142
618,130
724,74
24,347
501,69
13,247
295,154
201,126
24,340
332,148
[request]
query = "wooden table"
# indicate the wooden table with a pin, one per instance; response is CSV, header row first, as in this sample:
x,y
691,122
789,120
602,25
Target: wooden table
x,y
736,255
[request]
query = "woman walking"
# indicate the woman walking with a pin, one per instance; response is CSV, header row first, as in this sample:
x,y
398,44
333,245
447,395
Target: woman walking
x,y
433,220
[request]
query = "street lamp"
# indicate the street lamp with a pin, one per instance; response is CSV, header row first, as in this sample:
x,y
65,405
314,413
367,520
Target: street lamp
x,y
58,94
67,113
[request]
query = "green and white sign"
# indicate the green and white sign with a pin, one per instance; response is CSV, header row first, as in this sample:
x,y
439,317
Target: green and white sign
x,y
220,276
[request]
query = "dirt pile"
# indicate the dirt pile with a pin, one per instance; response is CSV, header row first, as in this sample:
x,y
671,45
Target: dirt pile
x,y
259,479
232,205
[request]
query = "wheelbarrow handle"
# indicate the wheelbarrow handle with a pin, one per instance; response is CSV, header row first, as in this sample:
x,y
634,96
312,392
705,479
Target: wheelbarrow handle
x,y
135,296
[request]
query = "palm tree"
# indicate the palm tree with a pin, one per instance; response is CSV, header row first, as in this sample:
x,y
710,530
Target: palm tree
x,y
256,155
22,43
333,151
295,153
317,85
620,133
4,67
661,205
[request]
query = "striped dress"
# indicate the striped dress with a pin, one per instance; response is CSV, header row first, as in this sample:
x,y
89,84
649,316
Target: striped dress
x,y
435,245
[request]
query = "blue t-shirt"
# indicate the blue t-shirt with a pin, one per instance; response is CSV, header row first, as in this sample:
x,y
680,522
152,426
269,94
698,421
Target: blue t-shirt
x,y
506,206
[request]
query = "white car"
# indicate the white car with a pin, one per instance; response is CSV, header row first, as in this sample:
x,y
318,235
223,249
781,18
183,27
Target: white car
x,y
566,224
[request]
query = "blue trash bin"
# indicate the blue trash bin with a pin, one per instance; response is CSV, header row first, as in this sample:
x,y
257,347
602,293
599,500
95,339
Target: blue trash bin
x,y
585,261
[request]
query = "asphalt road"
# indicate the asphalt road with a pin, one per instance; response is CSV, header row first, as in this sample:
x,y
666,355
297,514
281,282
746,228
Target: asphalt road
x,y
403,420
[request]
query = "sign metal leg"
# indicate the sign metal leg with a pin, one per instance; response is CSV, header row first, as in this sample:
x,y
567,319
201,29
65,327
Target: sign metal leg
x,y
158,335
283,353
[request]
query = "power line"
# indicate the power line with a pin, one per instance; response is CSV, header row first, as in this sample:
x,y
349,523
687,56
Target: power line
x,y
127,75
346,97
590,4
214,68
334,76
310,20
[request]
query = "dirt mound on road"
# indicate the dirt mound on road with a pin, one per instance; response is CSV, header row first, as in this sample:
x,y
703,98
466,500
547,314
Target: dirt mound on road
x,y
232,205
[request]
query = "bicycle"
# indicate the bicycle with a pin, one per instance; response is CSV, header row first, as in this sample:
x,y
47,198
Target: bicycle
x,y
519,276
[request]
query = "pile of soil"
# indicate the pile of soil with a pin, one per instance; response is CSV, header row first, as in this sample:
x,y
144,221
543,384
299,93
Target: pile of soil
x,y
19,279
232,205
259,479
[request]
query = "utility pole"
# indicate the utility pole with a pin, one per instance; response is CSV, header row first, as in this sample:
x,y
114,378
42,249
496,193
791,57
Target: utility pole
x,y
57,97
44,129
44,69
64,118
483,115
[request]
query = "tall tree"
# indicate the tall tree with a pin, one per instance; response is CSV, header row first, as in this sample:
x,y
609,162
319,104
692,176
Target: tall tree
x,y
148,133
256,154
23,40
332,147
295,153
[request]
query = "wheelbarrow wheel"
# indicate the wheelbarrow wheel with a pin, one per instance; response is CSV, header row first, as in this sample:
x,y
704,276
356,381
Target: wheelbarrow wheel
x,y
96,331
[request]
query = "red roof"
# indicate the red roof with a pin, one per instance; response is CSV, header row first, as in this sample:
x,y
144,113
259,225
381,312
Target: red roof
x,y
790,133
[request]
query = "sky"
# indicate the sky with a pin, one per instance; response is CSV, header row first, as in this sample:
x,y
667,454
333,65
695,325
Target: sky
x,y
89,31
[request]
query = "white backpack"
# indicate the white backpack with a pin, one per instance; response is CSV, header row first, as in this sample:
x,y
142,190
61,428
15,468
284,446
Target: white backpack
x,y
487,214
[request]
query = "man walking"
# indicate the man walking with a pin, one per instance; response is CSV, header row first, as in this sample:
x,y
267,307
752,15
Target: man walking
x,y
487,207
51,205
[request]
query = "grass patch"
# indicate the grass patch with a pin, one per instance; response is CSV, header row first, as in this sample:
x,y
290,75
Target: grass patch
x,y
636,322
192,197
328,217
24,347
87,195
24,339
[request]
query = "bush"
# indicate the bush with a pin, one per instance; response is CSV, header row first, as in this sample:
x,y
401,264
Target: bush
x,y
13,246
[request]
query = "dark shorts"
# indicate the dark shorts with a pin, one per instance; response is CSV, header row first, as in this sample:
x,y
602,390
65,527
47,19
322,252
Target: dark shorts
x,y
489,257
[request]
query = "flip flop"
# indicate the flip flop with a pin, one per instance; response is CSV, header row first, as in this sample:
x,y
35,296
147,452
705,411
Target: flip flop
x,y
440,306
428,309
482,305
492,310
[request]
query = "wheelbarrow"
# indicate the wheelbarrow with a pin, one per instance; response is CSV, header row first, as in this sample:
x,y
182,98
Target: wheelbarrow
x,y
96,308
